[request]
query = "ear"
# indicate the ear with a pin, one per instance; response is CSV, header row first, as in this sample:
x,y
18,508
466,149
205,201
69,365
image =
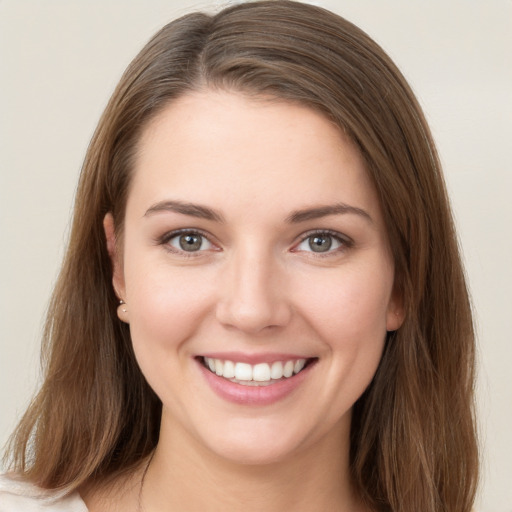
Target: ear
x,y
115,257
395,315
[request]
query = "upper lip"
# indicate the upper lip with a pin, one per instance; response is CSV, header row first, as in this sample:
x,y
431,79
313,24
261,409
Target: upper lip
x,y
242,357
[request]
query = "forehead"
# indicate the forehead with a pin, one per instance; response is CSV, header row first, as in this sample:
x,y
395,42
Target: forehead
x,y
217,146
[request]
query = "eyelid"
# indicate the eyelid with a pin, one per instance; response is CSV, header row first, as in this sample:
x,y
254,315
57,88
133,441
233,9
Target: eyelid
x,y
165,238
346,241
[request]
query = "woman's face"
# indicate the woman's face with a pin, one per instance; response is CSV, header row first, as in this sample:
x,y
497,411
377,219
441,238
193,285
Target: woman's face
x,y
253,248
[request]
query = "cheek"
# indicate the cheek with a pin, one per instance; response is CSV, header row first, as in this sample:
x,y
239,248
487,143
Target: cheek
x,y
349,308
166,304
349,314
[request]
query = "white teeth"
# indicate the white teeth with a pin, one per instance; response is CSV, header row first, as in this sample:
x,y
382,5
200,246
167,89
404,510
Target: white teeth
x,y
288,368
299,364
243,371
229,370
277,370
260,373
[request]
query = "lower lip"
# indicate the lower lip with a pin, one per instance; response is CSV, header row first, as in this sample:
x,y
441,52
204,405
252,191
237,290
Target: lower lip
x,y
253,395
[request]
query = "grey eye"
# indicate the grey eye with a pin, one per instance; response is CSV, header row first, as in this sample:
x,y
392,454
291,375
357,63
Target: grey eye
x,y
320,243
190,242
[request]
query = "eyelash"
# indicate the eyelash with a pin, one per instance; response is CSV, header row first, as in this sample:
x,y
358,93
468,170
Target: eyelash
x,y
165,239
344,241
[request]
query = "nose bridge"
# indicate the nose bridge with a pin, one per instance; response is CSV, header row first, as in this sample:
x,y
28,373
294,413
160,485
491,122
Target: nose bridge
x,y
253,297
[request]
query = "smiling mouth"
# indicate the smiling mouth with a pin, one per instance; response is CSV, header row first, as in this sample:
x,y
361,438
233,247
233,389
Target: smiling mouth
x,y
261,374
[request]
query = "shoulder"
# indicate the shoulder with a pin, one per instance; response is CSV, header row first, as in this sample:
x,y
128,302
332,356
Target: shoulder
x,y
17,495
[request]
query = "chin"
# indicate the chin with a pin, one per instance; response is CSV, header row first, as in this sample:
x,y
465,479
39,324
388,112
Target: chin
x,y
267,440
255,451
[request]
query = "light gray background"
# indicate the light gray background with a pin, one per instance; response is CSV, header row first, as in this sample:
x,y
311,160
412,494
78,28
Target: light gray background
x,y
59,62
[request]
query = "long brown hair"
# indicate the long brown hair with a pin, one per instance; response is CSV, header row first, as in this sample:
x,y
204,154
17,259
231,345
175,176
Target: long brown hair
x,y
413,442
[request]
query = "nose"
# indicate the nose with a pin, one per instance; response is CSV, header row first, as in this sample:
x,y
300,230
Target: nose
x,y
253,294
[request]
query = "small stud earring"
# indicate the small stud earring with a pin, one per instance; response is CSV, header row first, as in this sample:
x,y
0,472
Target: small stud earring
x,y
121,308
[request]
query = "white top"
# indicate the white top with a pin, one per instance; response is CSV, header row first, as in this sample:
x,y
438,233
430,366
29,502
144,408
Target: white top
x,y
19,496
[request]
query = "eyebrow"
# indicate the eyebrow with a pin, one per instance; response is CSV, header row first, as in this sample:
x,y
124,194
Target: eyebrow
x,y
193,210
323,211
203,212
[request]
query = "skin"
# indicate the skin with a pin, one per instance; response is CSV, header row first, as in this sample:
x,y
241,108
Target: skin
x,y
256,286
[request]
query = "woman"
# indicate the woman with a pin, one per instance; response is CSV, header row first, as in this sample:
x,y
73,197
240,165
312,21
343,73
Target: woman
x,y
262,303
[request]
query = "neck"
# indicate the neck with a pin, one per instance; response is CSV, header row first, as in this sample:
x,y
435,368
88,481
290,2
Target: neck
x,y
185,476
